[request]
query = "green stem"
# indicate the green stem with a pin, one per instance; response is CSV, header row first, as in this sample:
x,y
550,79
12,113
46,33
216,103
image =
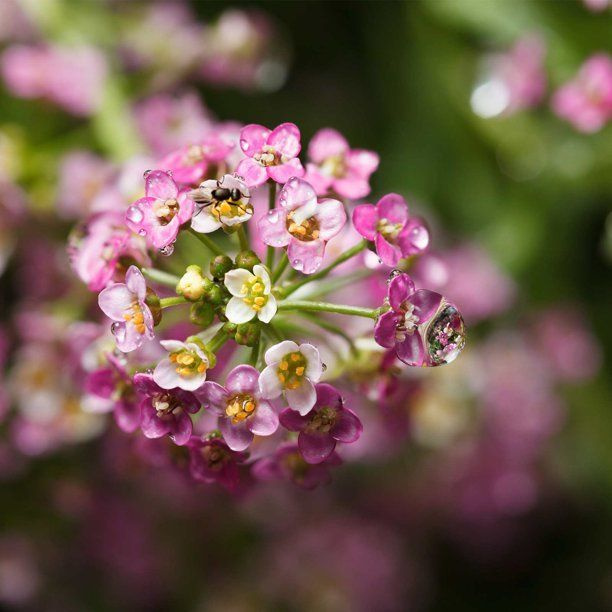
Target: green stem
x,y
172,301
330,327
254,355
280,268
206,241
243,238
370,313
360,246
217,341
271,206
160,277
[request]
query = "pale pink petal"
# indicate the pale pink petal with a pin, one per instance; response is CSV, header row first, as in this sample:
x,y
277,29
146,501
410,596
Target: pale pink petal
x,y
351,187
361,162
401,287
186,206
254,174
320,182
276,353
237,437
265,420
331,217
191,383
297,193
165,374
214,396
269,385
303,398
152,426
365,219
243,379
135,215
273,228
411,351
305,257
286,139
136,283
253,137
115,300
327,143
414,238
393,208
314,367
160,185
283,172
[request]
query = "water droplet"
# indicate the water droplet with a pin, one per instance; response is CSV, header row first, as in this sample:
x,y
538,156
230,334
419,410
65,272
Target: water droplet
x,y
419,237
167,250
134,214
244,145
297,263
146,173
118,330
273,216
142,232
395,272
445,336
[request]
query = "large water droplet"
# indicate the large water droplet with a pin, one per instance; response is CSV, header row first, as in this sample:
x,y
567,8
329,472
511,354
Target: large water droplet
x,y
118,330
167,250
297,264
419,237
445,337
142,232
134,214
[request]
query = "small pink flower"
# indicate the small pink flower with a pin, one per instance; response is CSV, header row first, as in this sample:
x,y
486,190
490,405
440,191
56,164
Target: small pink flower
x,y
270,154
335,166
159,215
303,224
241,411
392,230
190,163
211,460
185,367
287,463
292,370
326,424
165,411
586,101
124,303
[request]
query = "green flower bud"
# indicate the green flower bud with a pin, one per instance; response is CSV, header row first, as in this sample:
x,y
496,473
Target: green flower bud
x,y
220,265
152,301
247,334
215,294
230,328
202,314
246,260
193,284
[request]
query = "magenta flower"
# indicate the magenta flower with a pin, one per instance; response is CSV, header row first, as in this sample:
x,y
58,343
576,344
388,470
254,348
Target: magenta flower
x,y
111,389
165,411
185,367
303,224
97,246
211,460
241,411
124,303
292,370
335,166
287,463
399,327
326,424
190,163
270,154
159,215
586,101
392,230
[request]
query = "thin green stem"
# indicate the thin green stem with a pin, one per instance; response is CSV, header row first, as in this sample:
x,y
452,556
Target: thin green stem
x,y
330,327
360,246
370,313
160,277
172,301
271,206
280,268
206,241
217,341
254,355
243,238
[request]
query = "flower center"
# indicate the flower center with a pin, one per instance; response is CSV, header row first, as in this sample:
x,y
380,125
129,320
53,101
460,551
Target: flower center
x,y
229,209
194,155
291,370
307,230
188,363
214,456
334,166
390,231
322,420
269,156
165,404
240,406
254,293
165,210
407,325
133,314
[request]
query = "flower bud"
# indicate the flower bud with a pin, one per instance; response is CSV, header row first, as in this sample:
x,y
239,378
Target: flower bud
x,y
247,334
220,265
202,314
215,294
193,284
152,301
246,260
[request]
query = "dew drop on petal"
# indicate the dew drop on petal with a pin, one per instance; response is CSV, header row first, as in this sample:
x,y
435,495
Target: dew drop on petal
x,y
273,216
419,237
395,272
167,250
244,145
296,263
142,232
445,336
134,214
118,330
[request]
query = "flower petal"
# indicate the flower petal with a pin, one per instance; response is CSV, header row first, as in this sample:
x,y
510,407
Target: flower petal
x,y
331,217
115,300
273,228
384,330
235,279
275,353
388,253
266,314
426,303
303,398
238,312
347,428
243,379
352,187
305,257
320,182
237,437
281,174
269,385
315,448
127,416
265,420
292,420
181,428
297,193
393,207
160,185
411,351
327,143
286,139
135,282
328,395
253,137
365,219
362,162
401,288
204,223
165,374
152,426
214,396
314,367
254,174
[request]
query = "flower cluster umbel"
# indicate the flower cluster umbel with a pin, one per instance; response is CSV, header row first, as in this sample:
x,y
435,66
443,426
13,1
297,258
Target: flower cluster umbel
x,y
266,407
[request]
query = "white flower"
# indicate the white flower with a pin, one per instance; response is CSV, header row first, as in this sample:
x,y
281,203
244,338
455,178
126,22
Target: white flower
x,y
185,367
252,295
